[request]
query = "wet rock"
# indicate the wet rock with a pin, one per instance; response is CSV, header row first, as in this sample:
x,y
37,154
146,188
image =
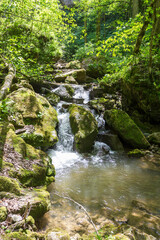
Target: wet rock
x,y
96,92
154,138
141,218
125,127
29,108
84,127
151,161
52,98
3,213
65,92
112,140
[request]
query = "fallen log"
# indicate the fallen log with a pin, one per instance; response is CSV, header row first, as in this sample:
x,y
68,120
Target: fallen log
x,y
8,80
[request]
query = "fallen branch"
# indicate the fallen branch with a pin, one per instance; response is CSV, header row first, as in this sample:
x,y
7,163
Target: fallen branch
x,y
80,206
8,80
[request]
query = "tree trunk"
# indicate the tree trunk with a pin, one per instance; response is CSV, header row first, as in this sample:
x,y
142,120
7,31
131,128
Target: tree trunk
x,y
135,8
155,38
98,23
143,29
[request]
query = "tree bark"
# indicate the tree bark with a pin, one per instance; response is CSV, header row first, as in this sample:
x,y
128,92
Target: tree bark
x,y
7,81
155,39
135,8
143,29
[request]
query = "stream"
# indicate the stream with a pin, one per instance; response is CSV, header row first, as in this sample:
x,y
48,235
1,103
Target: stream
x,y
100,181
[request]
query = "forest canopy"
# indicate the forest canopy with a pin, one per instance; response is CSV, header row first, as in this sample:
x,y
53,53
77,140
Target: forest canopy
x,y
113,34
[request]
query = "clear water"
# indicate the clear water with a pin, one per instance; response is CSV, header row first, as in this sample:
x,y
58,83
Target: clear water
x,y
99,179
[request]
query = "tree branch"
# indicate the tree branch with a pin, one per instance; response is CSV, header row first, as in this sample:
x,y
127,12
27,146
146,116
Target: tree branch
x,y
81,206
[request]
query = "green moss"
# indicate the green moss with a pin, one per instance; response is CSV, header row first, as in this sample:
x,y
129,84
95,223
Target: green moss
x,y
3,214
154,138
24,236
32,178
69,89
49,180
9,185
126,128
30,220
136,153
41,203
34,109
84,127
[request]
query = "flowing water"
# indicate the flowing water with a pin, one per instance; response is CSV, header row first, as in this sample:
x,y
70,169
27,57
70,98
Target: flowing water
x,y
98,180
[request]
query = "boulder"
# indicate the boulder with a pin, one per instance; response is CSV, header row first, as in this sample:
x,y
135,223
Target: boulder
x,y
102,104
70,80
79,75
125,127
38,200
154,138
31,166
28,108
52,98
65,92
84,127
112,140
74,65
9,185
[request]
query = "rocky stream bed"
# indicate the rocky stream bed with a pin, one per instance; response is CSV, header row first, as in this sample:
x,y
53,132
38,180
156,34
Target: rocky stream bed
x,y
96,130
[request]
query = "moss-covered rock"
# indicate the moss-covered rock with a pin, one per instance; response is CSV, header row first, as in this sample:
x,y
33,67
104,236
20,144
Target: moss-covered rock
x,y
24,236
22,84
120,121
52,98
73,65
40,203
31,166
136,153
65,92
154,138
29,108
9,185
3,214
84,127
70,80
141,94
102,104
78,74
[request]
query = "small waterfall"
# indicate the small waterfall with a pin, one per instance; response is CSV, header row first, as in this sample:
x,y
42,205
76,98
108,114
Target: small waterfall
x,y
63,154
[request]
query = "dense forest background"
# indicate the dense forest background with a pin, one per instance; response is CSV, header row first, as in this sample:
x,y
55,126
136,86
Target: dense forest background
x,y
112,36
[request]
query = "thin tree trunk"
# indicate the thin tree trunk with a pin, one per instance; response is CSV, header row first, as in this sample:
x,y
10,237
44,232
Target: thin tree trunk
x,y
143,29
135,8
155,40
